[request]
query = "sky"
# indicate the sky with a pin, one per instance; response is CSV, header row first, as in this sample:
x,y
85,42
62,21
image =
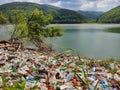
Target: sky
x,y
85,5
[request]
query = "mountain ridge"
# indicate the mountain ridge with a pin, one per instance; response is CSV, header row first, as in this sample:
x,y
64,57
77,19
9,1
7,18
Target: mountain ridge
x,y
68,16
111,16
62,15
91,14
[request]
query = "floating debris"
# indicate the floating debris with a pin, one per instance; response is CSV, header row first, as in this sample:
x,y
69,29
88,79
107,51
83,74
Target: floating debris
x,y
67,72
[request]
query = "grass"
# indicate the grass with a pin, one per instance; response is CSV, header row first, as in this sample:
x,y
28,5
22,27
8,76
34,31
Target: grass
x,y
16,85
85,79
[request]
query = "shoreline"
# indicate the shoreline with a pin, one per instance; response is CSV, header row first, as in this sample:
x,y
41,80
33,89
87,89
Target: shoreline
x,y
85,24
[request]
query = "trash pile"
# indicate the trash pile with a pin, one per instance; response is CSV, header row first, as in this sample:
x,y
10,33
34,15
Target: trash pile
x,y
48,72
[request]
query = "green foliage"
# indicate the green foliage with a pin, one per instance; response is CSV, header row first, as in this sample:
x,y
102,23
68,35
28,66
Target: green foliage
x,y
90,21
21,85
37,24
10,88
85,79
54,31
91,14
34,88
3,19
19,19
34,27
112,16
59,15
16,85
68,16
4,81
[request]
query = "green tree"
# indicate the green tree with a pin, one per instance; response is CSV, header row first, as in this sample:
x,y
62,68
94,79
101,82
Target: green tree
x,y
38,28
35,27
3,19
55,31
20,25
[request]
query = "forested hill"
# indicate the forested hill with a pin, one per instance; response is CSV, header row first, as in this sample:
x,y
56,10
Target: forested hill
x,y
112,16
91,14
60,15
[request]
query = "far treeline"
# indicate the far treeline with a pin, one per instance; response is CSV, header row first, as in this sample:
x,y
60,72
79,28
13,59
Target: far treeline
x,y
61,15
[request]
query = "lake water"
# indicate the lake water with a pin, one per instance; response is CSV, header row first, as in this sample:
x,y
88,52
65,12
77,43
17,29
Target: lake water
x,y
90,40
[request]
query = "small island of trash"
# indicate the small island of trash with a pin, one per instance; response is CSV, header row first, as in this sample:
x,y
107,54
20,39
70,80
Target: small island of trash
x,y
28,69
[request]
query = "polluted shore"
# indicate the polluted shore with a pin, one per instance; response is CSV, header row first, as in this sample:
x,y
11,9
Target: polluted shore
x,y
28,69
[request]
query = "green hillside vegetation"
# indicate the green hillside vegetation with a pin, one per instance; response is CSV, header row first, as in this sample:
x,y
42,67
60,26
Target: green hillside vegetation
x,y
112,16
59,15
91,14
68,16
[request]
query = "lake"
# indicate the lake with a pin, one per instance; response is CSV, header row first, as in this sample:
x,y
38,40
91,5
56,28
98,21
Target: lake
x,y
100,41
91,40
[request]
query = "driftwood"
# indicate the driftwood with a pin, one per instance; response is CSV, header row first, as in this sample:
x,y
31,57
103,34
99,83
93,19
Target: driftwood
x,y
11,45
4,42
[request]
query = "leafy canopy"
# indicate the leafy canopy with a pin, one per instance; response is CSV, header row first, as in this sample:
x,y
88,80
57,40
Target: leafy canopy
x,y
37,24
33,26
20,24
3,19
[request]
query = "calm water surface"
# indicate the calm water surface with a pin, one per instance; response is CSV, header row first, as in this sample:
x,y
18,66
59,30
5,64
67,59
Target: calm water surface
x,y
90,40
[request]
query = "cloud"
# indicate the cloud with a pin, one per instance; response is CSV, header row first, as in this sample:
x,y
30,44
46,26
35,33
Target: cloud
x,y
58,4
8,1
51,2
99,5
69,4
87,5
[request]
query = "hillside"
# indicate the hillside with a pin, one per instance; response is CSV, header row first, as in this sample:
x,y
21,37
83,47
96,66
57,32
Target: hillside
x,y
112,16
90,14
60,15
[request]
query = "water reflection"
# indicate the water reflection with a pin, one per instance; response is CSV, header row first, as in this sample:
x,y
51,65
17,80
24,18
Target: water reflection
x,y
113,30
91,40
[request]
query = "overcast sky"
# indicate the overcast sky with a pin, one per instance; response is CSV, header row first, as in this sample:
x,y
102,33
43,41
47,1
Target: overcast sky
x,y
86,5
